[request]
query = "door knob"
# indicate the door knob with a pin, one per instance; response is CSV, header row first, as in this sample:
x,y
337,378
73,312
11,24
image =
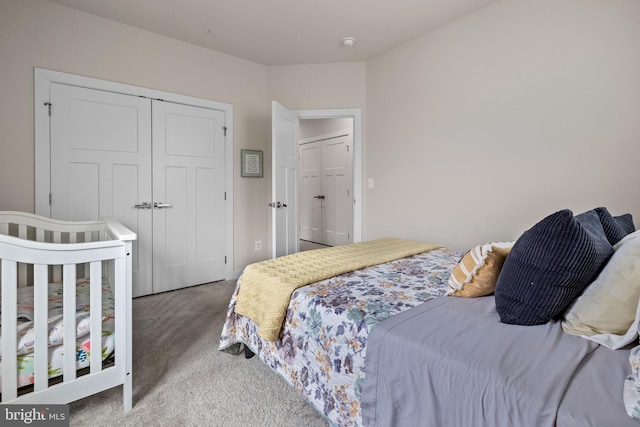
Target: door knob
x,y
160,205
277,205
145,205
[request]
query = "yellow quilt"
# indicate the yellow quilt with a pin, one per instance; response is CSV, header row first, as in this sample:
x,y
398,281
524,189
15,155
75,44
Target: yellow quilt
x,y
267,286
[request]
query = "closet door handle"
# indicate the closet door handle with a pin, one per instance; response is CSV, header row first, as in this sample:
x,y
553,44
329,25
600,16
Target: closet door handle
x,y
160,205
320,196
145,205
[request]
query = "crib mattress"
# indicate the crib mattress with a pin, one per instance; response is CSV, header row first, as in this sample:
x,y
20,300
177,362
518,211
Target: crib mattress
x,y
55,325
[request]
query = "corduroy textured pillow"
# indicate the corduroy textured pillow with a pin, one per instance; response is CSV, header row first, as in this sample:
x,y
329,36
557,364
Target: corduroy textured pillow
x,y
626,222
548,267
612,228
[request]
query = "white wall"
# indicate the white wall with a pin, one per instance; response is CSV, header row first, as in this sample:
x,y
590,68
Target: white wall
x,y
319,86
481,128
38,33
310,128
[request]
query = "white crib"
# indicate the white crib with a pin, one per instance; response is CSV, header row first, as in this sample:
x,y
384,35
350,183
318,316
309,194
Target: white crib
x,y
36,251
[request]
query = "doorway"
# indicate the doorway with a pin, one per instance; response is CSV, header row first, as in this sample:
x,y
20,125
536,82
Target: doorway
x,y
326,182
284,142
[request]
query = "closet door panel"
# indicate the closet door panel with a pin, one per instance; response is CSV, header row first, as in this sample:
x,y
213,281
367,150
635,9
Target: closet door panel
x,y
310,217
84,200
175,219
338,207
101,164
189,223
205,248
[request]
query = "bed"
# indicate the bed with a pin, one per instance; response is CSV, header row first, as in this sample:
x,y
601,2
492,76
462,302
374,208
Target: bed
x,y
389,344
66,309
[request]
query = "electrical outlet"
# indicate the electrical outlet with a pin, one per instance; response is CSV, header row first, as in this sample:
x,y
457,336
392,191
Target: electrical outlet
x,y
258,245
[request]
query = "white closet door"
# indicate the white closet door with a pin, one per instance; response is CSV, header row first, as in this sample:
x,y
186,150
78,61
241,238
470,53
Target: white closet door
x,y
188,187
337,185
311,192
101,164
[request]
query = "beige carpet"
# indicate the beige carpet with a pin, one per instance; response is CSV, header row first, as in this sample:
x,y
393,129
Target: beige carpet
x,y
181,379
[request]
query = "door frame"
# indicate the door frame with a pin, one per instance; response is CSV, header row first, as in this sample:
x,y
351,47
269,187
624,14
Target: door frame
x,y
356,115
43,78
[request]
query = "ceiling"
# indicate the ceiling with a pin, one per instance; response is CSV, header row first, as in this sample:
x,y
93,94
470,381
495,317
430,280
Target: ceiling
x,y
284,32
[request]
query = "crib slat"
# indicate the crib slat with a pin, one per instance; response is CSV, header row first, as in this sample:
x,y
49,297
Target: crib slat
x,y
40,234
69,321
40,326
22,231
9,330
4,228
96,316
118,299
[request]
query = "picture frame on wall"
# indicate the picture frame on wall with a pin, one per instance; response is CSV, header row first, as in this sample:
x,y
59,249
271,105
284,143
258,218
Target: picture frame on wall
x,y
251,163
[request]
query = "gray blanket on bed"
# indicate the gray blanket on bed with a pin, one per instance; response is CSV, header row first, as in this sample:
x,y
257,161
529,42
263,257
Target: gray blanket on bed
x,y
450,362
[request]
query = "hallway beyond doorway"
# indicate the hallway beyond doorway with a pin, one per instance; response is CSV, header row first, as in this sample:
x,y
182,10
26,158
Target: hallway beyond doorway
x,y
306,245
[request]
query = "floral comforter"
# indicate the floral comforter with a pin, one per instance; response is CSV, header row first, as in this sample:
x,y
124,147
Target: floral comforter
x,y
55,325
322,348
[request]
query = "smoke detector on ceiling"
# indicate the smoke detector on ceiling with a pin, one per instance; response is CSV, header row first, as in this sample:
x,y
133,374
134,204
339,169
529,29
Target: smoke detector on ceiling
x,y
348,41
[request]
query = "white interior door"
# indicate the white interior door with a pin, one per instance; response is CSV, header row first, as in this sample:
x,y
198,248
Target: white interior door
x,y
101,164
310,218
189,195
284,141
337,183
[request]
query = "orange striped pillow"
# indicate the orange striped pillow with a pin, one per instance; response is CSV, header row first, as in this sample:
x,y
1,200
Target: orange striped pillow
x,y
477,272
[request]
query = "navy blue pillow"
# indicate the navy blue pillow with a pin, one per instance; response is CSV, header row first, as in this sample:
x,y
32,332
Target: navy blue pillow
x,y
626,222
549,266
611,227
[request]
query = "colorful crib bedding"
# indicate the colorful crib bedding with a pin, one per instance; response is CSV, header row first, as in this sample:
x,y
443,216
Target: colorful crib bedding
x,y
55,322
322,347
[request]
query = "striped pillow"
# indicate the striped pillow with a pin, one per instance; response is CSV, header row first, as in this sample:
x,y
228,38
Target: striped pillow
x,y
477,272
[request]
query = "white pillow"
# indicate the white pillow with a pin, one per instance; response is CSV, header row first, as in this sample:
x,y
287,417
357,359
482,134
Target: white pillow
x,y
608,312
